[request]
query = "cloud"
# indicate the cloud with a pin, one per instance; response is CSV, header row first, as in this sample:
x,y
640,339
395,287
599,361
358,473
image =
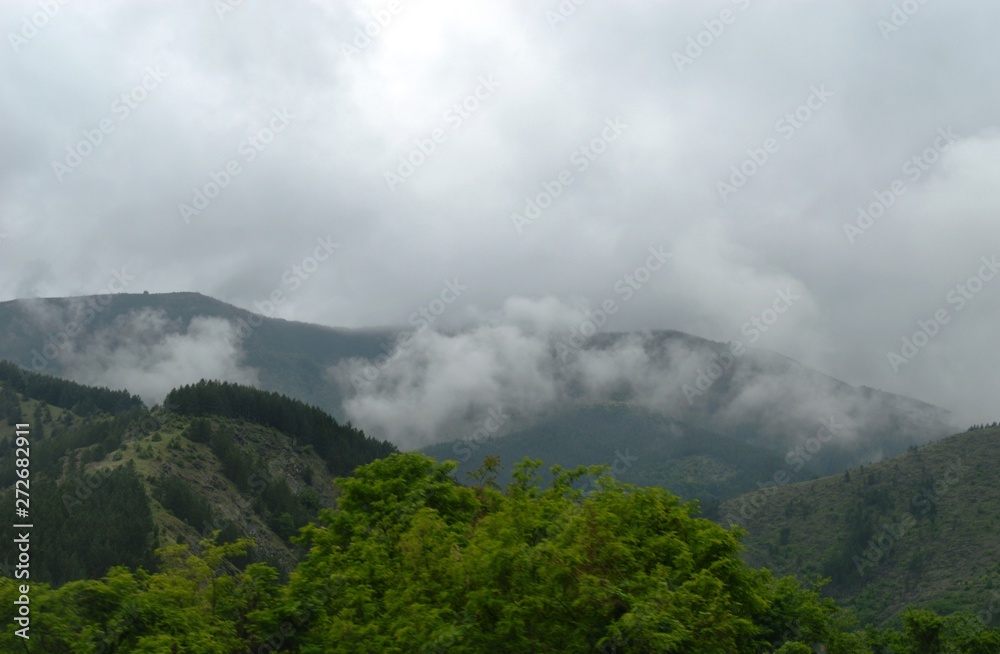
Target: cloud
x,y
438,386
149,355
558,82
440,382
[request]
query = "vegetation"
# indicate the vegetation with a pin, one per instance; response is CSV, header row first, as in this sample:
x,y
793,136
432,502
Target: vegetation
x,y
411,561
640,446
82,400
342,446
992,425
107,487
87,525
919,529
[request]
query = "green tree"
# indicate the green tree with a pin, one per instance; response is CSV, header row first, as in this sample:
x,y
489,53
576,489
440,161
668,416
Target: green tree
x,y
411,561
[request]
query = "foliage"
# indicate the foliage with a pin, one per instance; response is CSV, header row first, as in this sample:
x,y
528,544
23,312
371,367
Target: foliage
x,y
342,446
66,394
192,605
919,528
410,561
87,524
177,497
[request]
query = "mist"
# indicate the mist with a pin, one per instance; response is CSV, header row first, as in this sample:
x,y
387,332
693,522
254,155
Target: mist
x,y
147,354
538,357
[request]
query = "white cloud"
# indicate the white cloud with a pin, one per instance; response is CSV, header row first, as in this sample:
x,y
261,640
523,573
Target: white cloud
x,y
148,355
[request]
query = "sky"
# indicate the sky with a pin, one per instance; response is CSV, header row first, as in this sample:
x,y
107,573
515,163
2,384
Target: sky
x,y
817,179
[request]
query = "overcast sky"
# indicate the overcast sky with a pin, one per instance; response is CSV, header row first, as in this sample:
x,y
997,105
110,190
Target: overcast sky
x,y
242,150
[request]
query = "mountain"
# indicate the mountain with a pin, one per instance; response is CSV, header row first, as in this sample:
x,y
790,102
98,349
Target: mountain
x,y
917,529
774,402
150,343
111,480
640,446
84,337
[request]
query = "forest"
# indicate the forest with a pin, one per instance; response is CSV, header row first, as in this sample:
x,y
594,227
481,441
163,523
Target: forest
x,y
412,561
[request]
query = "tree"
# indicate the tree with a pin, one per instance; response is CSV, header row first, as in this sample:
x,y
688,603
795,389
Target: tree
x,y
411,561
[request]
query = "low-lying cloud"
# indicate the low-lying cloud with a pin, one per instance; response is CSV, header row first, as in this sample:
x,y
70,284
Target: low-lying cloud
x,y
148,354
536,356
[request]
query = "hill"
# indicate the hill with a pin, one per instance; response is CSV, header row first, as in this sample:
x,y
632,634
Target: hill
x,y
640,446
150,343
918,529
51,335
109,486
410,561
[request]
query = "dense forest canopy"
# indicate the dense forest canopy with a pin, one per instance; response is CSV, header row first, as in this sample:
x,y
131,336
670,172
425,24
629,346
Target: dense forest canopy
x,y
66,394
342,446
411,561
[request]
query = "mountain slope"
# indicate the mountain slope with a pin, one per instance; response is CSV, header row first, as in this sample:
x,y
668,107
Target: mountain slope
x,y
107,487
772,401
920,528
640,446
289,357
150,343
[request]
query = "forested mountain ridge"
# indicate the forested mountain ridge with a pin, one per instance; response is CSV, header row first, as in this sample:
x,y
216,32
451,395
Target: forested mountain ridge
x,y
641,447
290,357
342,447
410,561
108,488
142,518
758,397
917,529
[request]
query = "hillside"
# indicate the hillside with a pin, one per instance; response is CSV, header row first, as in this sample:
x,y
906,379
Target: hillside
x,y
774,402
112,481
918,529
640,446
289,357
760,398
410,561
108,487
